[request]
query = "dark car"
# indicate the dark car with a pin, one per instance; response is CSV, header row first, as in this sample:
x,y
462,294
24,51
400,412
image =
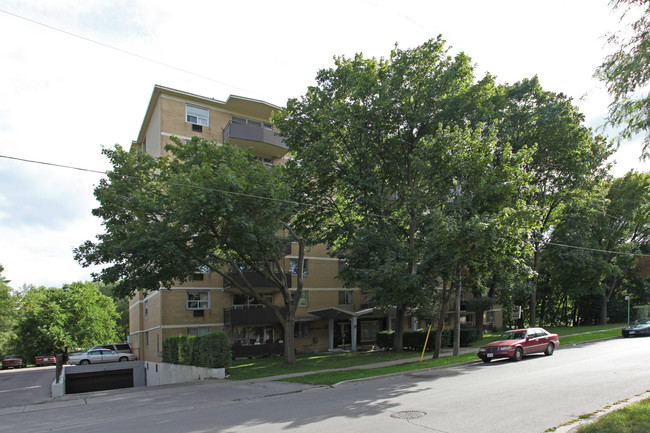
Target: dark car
x,y
637,328
13,361
45,359
518,343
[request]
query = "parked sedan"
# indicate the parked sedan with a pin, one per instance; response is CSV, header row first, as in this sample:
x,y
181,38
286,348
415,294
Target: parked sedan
x,y
518,343
13,361
637,328
97,356
45,359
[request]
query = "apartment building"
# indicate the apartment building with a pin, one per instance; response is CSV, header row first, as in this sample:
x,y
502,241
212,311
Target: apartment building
x,y
328,316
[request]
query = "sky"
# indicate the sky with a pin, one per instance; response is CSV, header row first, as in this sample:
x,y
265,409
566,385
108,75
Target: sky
x,y
76,77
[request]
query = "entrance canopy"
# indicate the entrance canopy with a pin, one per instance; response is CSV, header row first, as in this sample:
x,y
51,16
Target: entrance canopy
x,y
331,314
339,314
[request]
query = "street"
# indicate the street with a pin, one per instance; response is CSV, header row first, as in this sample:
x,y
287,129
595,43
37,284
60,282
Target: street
x,y
26,386
533,395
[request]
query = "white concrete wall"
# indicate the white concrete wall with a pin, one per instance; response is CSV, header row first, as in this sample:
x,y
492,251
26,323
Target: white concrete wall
x,y
161,373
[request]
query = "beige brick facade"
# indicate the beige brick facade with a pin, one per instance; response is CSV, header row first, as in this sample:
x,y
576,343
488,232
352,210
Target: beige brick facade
x,y
327,312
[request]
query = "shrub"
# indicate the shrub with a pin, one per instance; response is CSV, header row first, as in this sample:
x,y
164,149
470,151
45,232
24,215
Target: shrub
x,y
211,350
385,339
413,340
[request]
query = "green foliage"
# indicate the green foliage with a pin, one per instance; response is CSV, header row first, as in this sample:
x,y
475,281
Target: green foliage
x,y
404,155
54,320
608,228
121,308
211,350
201,205
626,73
8,314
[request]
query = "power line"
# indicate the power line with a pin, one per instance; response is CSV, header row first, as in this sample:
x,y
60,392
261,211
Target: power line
x,y
292,202
190,186
596,250
139,56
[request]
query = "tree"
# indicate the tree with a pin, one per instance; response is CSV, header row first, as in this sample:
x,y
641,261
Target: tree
x,y
610,236
567,156
121,308
8,306
626,73
479,219
201,205
56,320
362,138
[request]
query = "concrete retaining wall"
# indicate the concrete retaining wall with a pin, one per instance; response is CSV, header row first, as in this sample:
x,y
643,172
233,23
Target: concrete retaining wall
x,y
161,373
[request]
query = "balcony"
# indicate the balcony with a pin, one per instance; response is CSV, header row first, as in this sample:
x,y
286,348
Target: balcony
x,y
251,314
256,280
261,139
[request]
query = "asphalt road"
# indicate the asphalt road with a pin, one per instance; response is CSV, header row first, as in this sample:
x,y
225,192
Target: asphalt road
x,y
26,386
528,396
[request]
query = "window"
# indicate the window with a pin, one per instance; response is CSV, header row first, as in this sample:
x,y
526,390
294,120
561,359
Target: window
x,y
268,162
301,330
246,335
293,265
198,300
146,338
146,308
197,115
304,298
346,297
251,122
198,332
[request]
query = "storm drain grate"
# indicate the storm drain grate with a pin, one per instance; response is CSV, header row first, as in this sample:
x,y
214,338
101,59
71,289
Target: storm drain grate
x,y
408,414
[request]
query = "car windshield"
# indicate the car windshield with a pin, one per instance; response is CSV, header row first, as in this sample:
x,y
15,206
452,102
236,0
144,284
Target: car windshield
x,y
516,335
641,322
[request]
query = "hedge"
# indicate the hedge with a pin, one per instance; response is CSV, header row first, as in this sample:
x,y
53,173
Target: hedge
x,y
211,350
414,340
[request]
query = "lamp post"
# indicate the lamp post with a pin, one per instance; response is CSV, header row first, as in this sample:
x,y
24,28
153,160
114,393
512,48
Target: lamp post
x,y
627,298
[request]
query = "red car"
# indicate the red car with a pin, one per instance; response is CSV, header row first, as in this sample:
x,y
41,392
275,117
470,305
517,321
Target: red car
x,y
47,359
518,343
13,361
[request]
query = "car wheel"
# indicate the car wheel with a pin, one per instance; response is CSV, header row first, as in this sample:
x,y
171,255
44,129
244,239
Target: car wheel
x,y
124,359
84,362
519,354
486,360
549,349
626,335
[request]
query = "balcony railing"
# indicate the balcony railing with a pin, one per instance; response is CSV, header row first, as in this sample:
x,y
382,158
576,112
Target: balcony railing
x,y
256,280
253,314
241,132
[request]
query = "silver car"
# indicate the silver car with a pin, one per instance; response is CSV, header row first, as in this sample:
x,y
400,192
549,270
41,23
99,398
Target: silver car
x,y
97,356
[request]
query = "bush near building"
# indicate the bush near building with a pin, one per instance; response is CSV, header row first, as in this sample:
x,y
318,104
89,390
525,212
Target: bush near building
x,y
211,350
414,340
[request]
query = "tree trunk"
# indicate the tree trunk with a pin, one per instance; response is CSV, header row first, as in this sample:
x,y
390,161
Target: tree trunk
x,y
603,310
289,342
606,296
441,319
398,338
480,312
459,290
533,291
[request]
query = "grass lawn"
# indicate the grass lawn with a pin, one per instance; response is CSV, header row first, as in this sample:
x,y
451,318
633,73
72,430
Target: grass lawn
x,y
245,369
633,418
314,364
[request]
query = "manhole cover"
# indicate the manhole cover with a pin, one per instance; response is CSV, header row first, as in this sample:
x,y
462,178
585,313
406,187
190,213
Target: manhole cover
x,y
408,414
